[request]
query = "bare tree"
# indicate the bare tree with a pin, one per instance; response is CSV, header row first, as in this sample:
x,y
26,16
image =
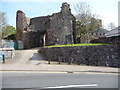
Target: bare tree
x,y
111,26
86,21
83,13
3,19
3,22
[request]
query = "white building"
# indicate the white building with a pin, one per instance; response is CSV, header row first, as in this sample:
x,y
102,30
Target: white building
x,y
113,32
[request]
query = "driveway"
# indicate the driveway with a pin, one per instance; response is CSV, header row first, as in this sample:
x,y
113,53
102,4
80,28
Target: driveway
x,y
30,56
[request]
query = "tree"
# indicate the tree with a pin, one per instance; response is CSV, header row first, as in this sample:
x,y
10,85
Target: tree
x,y
8,30
3,19
83,13
3,22
111,26
86,21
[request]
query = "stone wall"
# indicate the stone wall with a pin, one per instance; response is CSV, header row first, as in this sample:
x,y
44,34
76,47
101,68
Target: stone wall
x,y
32,39
60,28
104,55
39,23
112,40
20,45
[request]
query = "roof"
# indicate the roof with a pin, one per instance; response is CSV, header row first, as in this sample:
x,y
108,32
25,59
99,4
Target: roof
x,y
113,32
11,37
101,30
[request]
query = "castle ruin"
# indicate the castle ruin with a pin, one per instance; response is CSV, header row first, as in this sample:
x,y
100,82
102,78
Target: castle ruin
x,y
57,28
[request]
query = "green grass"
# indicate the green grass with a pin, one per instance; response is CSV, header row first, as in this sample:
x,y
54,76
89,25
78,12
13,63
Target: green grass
x,y
82,44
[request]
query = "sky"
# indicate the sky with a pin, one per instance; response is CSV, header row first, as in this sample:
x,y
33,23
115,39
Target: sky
x,y
119,13
107,10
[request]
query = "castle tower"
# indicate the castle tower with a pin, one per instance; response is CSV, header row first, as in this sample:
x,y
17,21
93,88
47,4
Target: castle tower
x,y
21,24
65,9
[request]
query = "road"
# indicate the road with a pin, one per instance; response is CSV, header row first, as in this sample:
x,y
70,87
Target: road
x,y
39,80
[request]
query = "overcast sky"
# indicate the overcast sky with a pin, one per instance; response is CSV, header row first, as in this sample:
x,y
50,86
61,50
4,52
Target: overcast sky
x,y
106,9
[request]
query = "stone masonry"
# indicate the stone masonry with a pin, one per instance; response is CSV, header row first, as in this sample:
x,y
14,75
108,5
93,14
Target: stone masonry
x,y
60,28
103,55
57,28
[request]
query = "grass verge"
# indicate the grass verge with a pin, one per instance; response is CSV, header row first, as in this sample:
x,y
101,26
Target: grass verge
x,y
82,44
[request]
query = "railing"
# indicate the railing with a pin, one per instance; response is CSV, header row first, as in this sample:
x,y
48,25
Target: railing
x,y
8,52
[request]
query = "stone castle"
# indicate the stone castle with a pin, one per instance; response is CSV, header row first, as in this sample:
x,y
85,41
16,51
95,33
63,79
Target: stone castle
x,y
57,28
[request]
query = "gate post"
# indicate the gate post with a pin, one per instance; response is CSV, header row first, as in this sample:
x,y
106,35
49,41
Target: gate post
x,y
3,58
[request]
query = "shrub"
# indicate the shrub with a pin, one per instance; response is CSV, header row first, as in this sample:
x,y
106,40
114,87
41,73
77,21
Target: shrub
x,y
40,51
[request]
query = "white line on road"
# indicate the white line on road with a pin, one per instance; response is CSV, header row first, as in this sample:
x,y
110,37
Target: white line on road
x,y
72,86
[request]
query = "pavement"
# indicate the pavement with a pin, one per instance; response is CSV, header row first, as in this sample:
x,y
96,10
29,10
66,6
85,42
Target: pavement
x,y
31,60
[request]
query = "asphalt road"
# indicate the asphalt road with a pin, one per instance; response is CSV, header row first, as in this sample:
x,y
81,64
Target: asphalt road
x,y
58,80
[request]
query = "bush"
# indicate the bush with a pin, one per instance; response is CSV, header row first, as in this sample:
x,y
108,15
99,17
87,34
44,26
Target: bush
x,y
40,51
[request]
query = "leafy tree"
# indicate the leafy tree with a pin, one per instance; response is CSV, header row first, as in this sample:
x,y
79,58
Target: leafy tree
x,y
5,29
8,30
86,21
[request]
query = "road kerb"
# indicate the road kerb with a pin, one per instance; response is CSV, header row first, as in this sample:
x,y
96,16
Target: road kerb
x,y
67,72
